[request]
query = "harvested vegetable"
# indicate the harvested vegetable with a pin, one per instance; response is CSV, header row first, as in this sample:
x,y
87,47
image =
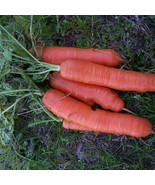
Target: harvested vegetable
x,y
90,73
103,96
73,126
56,55
97,120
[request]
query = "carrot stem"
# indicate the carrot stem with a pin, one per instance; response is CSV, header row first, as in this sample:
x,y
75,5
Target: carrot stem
x,y
50,66
31,36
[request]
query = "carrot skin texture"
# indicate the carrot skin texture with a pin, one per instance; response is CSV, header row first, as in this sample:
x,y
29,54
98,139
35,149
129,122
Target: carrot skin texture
x,y
90,73
75,88
87,93
98,120
56,55
73,126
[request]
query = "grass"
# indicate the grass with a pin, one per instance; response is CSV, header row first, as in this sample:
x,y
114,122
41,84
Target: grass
x,y
33,138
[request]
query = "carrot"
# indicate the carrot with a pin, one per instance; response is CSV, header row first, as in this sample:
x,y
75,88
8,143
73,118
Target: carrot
x,y
90,73
73,126
103,96
56,55
75,89
99,120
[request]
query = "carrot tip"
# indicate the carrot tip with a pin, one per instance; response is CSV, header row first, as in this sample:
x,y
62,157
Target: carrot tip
x,y
117,55
127,110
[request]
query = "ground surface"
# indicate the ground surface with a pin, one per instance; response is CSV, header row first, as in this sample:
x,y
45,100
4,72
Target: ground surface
x,y
33,140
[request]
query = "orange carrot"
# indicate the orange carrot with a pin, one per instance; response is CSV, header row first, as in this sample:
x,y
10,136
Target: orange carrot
x,y
73,126
103,96
56,55
98,120
90,73
75,89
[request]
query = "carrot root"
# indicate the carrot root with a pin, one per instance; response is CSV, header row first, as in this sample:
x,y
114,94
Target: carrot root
x,y
56,55
95,120
117,55
120,79
153,132
89,94
129,111
74,126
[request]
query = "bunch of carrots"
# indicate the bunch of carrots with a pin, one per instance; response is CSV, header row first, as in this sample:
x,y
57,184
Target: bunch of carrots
x,y
85,77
